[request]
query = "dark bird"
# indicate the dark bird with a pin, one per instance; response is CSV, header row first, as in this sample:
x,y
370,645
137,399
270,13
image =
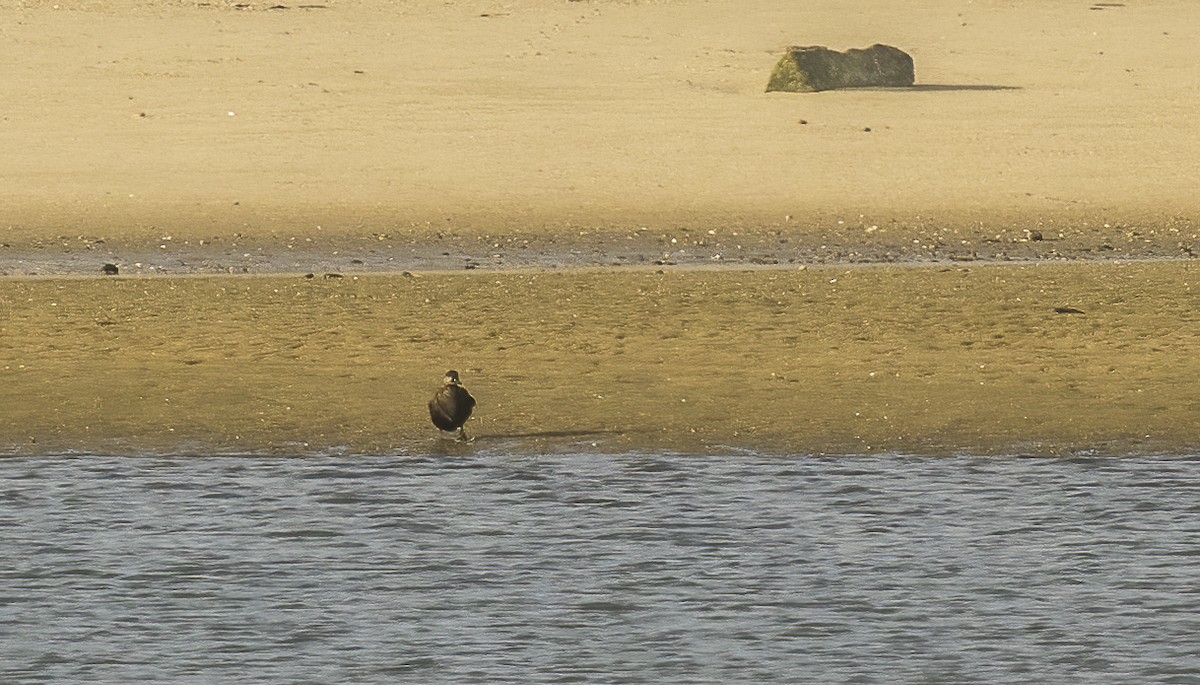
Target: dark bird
x,y
110,270
452,406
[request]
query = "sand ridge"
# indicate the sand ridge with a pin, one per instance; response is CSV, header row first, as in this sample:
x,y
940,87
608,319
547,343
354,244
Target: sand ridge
x,y
1043,358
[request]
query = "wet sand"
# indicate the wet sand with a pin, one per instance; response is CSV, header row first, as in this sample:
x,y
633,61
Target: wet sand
x,y
497,248
936,360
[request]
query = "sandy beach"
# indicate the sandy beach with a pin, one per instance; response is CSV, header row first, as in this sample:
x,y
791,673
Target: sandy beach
x,y
594,212
130,120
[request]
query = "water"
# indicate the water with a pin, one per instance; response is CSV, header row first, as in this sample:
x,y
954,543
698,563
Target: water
x,y
612,569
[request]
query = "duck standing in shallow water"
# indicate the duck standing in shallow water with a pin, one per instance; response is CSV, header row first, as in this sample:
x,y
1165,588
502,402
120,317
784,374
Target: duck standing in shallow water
x,y
452,406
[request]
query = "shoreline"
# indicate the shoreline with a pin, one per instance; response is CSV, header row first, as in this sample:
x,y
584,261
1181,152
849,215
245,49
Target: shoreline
x,y
494,247
599,268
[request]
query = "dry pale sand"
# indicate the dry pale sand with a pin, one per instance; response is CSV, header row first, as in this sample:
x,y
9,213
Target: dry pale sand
x,y
821,360
373,138
174,121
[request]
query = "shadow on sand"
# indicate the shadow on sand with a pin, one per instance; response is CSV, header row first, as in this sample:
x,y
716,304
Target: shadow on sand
x,y
551,435
927,88
950,87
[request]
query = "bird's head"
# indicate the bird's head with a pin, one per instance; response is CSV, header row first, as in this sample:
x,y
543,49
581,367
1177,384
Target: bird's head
x,y
451,378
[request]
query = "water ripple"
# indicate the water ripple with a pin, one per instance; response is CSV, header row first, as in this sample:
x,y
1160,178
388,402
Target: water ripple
x,y
593,568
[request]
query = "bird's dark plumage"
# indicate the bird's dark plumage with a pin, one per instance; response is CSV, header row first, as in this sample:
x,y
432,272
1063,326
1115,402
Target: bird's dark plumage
x,y
452,406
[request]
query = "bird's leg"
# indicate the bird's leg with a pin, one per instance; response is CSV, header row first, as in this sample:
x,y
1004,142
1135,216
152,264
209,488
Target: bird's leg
x,y
462,434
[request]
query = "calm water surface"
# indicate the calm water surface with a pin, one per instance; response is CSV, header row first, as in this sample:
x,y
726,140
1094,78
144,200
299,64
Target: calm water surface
x,y
487,568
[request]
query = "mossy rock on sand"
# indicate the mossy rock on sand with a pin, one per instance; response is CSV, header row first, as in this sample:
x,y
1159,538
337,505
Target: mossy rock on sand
x,y
813,68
